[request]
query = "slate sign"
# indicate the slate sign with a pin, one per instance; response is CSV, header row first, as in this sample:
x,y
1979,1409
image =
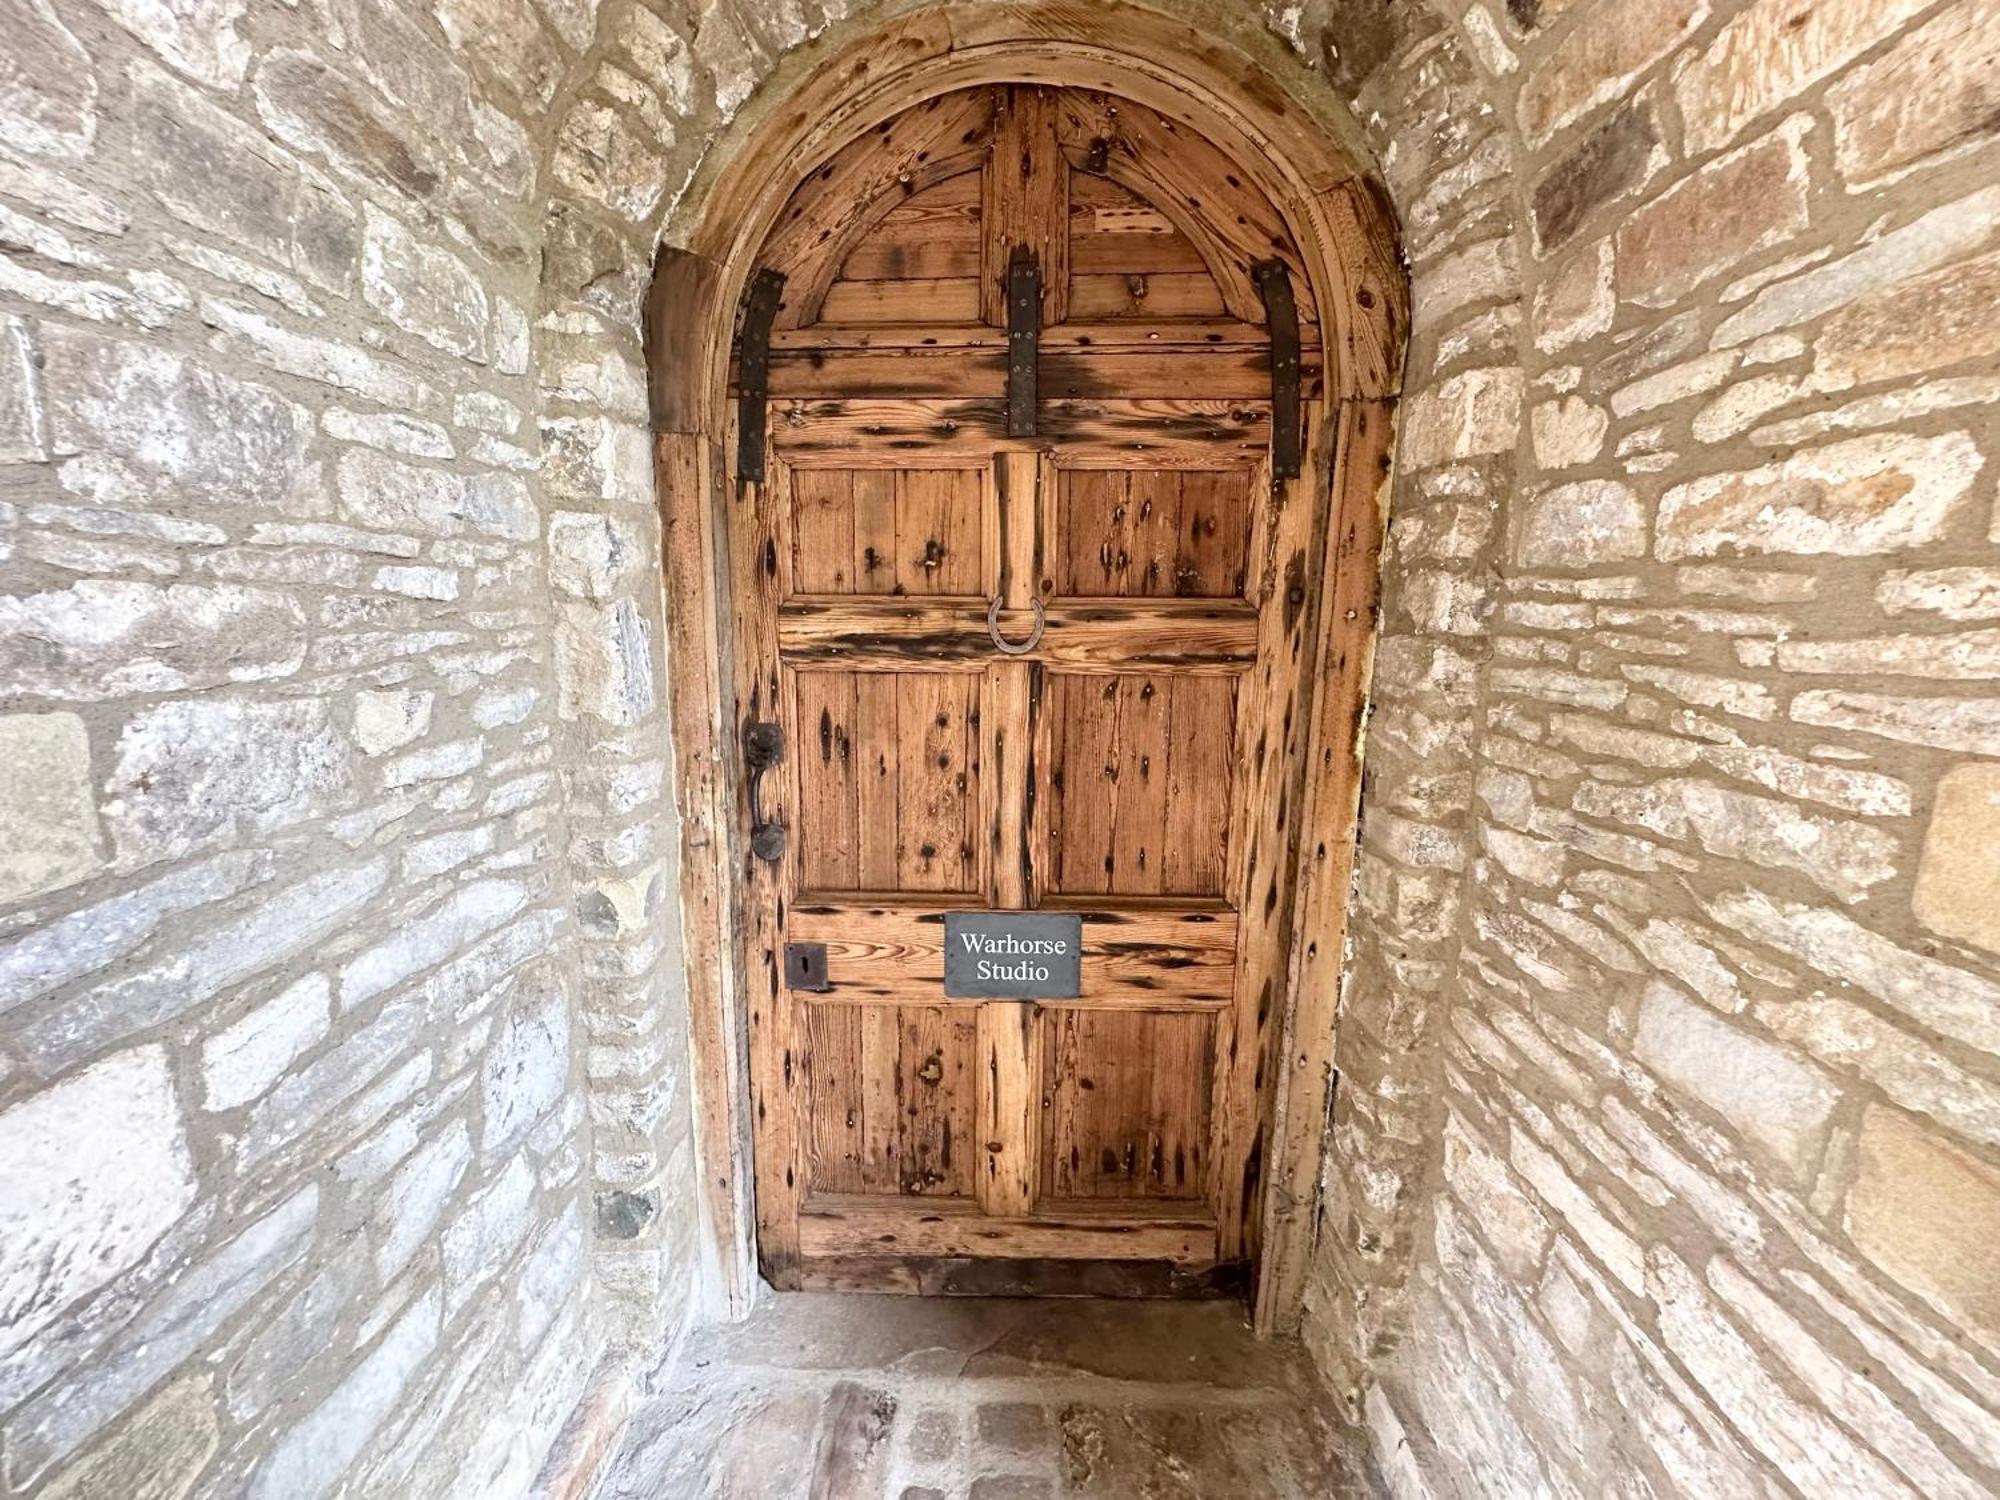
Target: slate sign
x,y
1012,955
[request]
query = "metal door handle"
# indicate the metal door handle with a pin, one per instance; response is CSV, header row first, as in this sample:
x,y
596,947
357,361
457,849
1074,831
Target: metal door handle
x,y
1001,643
763,748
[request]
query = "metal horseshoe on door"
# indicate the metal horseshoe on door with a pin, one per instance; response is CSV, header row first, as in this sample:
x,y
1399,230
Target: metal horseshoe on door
x,y
1001,643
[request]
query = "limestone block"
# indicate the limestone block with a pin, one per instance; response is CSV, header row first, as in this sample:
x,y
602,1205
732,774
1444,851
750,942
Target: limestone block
x,y
171,419
1770,53
218,954
48,90
243,1060
1486,272
1938,238
480,1240
1516,1228
377,490
1931,92
604,662
35,962
1576,299
434,763
1568,431
1928,1213
1764,1091
526,1070
552,1269
310,1460
419,943
48,817
415,1198
102,638
194,773
311,1094
602,156
1734,207
1613,161
222,177
422,287
1621,1254
1938,995
317,110
596,458
509,39
1908,1070
1580,525
1804,1444
1971,655
302,1333
311,357
1608,48
156,1455
1968,724
592,557
1925,323
1965,593
1958,878
92,1171
1473,413
1850,499
389,719
199,37
20,405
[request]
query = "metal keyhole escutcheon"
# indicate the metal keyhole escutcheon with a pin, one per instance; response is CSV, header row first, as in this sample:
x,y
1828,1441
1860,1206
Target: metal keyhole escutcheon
x,y
1001,643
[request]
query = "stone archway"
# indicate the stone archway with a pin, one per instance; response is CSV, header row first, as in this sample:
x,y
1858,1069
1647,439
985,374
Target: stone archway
x,y
1347,240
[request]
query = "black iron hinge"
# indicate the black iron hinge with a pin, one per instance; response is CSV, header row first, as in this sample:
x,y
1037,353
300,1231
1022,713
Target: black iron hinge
x,y
1281,317
1024,332
753,371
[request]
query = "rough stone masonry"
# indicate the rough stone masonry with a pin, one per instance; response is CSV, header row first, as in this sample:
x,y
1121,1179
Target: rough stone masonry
x,y
343,1099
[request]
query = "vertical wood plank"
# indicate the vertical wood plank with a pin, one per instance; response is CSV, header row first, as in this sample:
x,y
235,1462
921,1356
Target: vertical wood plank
x,y
1140,827
1025,196
1201,783
873,494
877,737
1009,1091
821,557
828,836
1331,792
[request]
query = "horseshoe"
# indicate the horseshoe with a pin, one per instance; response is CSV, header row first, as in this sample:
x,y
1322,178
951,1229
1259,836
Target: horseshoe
x,y
1001,643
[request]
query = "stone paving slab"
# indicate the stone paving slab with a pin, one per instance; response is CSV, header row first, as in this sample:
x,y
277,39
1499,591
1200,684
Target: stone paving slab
x,y
827,1397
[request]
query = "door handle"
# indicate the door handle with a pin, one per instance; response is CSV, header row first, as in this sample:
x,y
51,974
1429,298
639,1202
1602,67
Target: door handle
x,y
763,748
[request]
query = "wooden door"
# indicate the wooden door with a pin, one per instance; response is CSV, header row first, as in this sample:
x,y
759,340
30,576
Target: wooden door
x,y
1134,765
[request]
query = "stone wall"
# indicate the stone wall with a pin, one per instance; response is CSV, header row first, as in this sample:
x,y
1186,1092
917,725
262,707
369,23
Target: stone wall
x,y
294,1147
1667,1152
343,1097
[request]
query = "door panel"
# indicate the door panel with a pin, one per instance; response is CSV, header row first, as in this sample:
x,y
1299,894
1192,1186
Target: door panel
x,y
1128,1101
1056,672
1140,771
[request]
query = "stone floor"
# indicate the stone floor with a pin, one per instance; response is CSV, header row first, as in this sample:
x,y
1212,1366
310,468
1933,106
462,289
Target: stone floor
x,y
832,1397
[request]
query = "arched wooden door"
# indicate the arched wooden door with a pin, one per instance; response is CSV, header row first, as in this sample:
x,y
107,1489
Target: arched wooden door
x,y
1020,633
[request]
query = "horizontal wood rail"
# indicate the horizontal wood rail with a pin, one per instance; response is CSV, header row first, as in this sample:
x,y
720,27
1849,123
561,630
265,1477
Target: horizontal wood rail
x,y
1194,636
858,1225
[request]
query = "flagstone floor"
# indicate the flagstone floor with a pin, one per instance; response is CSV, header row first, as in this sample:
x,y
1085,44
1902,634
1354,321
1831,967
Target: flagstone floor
x,y
849,1397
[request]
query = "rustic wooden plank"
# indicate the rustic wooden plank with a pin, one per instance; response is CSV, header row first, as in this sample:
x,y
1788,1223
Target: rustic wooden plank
x,y
688,473
1084,767
937,1114
1102,636
1164,333
1201,787
848,1225
821,556
1147,295
989,1277
939,522
877,762
1009,1107
750,529
1331,793
1129,1100
1216,515
1141,825
828,834
1154,498
882,433
1066,371
830,1062
1176,956
834,207
876,542
928,299
1025,194
937,838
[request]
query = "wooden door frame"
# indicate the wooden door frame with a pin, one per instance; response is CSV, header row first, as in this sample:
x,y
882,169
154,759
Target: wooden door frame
x,y
1340,221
